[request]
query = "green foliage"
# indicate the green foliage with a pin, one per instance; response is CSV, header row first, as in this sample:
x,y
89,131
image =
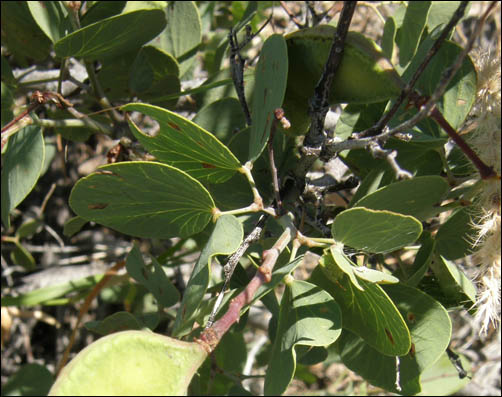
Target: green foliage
x,y
21,168
210,174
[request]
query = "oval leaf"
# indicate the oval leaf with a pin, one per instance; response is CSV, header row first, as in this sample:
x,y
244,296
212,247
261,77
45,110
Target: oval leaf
x,y
309,316
154,73
375,231
454,239
112,36
29,380
430,329
183,33
143,199
222,117
419,197
22,165
270,86
455,285
152,278
371,314
185,145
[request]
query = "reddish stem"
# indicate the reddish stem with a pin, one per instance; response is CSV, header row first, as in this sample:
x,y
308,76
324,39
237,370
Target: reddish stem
x,y
485,171
210,337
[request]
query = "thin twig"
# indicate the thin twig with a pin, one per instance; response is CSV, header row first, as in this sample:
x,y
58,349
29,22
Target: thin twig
x,y
295,20
237,69
314,140
237,63
319,104
377,129
273,168
210,337
390,157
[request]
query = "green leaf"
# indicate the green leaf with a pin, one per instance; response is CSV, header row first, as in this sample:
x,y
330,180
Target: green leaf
x,y
155,280
336,263
371,314
414,274
29,380
427,320
226,237
21,168
374,276
51,17
22,257
119,321
368,185
441,12
220,85
223,118
73,225
375,231
419,197
112,36
29,227
389,35
241,194
115,75
42,295
309,316
153,74
459,95
358,117
231,352
363,65
185,145
270,85
454,283
101,10
408,36
183,32
21,34
143,199
430,329
338,258
454,237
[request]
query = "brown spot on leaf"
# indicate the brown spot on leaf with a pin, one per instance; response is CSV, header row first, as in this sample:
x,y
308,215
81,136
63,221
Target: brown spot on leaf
x,y
174,125
145,273
206,165
341,286
389,335
97,206
411,317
